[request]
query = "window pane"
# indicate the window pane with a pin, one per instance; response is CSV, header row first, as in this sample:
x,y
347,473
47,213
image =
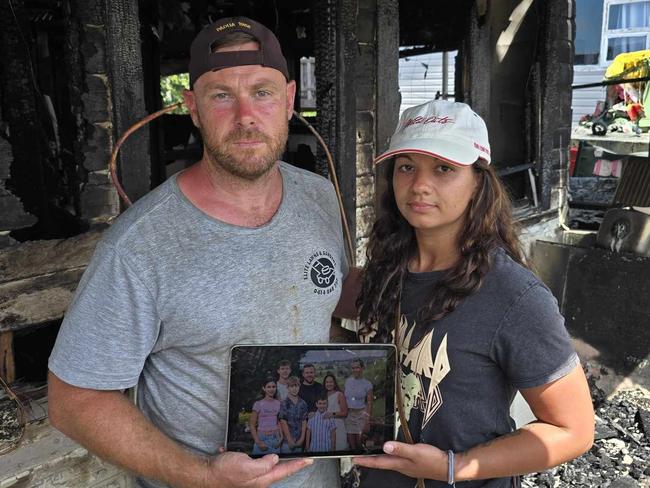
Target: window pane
x,y
618,45
589,21
629,16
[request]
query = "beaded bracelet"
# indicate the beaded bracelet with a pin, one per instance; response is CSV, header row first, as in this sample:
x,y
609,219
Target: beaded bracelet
x,y
450,468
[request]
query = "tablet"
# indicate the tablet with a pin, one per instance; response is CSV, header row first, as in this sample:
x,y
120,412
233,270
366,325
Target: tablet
x,y
318,400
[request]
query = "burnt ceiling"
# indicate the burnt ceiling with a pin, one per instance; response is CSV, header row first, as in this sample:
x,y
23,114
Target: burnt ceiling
x,y
431,26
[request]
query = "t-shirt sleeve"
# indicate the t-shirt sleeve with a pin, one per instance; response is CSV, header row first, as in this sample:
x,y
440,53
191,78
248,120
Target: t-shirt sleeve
x,y
532,345
109,329
257,407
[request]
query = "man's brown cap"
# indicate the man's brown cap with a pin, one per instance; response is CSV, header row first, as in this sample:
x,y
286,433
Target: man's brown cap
x,y
202,59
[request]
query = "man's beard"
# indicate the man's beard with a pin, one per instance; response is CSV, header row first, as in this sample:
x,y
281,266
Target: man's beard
x,y
244,163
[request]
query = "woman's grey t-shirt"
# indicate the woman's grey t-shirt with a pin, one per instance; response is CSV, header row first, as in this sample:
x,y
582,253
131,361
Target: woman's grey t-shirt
x,y
170,290
460,374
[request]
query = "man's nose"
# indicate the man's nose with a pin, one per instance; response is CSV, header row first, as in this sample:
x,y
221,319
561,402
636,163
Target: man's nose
x,y
245,114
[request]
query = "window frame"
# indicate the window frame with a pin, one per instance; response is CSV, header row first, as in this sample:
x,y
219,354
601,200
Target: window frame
x,y
608,34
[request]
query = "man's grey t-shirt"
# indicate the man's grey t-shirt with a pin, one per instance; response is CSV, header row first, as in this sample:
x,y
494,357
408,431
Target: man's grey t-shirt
x,y
170,290
460,374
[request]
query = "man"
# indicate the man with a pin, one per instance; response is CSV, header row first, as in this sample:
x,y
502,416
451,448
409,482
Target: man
x,y
228,252
358,395
310,390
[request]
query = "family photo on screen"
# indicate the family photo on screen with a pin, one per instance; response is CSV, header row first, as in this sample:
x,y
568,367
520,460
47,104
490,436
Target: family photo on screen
x,y
306,401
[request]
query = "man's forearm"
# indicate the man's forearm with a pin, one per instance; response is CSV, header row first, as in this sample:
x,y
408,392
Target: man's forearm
x,y
110,426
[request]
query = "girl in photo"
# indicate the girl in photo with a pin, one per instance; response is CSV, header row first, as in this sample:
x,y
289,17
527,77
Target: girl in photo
x,y
447,281
337,408
264,425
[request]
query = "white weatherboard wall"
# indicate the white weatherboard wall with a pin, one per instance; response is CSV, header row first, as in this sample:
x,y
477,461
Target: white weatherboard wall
x,y
585,99
420,77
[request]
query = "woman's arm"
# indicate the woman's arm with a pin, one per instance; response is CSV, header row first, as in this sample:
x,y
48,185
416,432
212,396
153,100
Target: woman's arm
x,y
563,431
343,406
347,306
253,426
369,400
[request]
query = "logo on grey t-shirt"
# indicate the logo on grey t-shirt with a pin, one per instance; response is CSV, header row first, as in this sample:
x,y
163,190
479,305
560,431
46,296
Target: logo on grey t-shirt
x,y
321,271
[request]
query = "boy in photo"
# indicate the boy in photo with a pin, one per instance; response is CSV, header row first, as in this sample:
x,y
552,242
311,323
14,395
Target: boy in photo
x,y
283,370
293,418
321,431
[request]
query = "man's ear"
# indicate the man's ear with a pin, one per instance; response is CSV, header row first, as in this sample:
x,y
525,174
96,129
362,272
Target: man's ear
x,y
291,95
189,97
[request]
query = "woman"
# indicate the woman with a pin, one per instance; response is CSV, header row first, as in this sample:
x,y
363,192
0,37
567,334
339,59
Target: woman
x,y
475,325
338,409
264,425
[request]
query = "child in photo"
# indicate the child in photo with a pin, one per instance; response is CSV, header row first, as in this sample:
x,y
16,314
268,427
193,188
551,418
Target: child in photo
x,y
293,418
283,370
321,431
337,409
264,425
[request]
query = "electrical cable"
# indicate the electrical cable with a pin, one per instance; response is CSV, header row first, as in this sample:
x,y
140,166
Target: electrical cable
x,y
112,166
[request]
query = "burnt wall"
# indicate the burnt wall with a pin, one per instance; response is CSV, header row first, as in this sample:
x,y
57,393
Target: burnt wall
x,y
517,60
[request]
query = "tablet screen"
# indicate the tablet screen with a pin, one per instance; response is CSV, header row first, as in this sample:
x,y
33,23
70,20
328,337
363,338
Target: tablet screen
x,y
311,400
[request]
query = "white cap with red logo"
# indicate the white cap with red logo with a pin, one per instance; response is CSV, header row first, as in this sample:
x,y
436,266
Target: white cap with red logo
x,y
450,131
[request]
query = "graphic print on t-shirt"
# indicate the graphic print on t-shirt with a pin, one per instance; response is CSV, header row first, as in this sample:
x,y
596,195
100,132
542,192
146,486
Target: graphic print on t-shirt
x,y
320,271
418,364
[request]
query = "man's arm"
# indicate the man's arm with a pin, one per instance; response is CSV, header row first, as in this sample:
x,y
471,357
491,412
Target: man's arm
x,y
109,425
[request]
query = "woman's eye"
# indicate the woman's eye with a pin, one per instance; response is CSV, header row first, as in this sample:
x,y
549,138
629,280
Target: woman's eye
x,y
443,168
404,168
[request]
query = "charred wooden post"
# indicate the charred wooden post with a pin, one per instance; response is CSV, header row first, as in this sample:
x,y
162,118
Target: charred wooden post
x,y
556,68
124,62
377,103
335,52
91,105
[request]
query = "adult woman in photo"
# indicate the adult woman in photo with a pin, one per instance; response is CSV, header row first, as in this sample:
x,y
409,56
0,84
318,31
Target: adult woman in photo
x,y
264,425
338,410
446,279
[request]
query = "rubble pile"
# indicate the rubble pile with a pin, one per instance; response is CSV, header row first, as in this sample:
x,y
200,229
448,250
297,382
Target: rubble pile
x,y
620,456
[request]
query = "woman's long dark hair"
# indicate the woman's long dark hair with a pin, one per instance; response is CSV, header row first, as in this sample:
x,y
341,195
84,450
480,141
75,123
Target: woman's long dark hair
x,y
392,243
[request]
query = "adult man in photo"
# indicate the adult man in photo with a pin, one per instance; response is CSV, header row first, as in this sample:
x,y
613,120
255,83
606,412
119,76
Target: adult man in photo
x,y
227,252
310,389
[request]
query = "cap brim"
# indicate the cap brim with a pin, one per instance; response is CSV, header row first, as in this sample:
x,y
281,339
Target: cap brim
x,y
452,152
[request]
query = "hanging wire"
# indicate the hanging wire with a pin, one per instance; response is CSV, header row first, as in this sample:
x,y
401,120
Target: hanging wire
x,y
112,166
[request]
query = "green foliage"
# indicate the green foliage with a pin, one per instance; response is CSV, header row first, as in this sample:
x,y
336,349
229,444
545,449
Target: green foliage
x,y
171,90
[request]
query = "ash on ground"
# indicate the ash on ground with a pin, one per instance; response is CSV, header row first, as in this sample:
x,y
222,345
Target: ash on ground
x,y
10,428
620,456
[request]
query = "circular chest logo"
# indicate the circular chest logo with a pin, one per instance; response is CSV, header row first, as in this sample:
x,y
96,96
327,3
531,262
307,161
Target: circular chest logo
x,y
322,272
